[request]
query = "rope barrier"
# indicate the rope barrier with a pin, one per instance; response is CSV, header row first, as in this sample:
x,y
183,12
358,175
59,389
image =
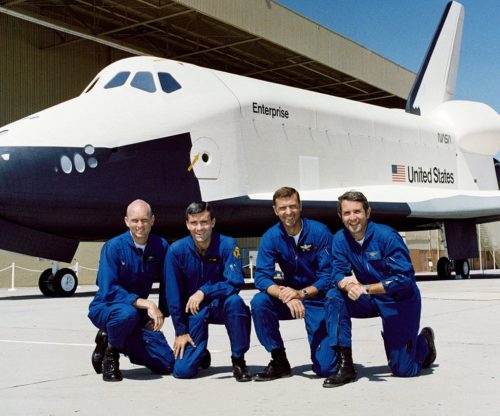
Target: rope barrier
x,y
87,268
76,268
28,270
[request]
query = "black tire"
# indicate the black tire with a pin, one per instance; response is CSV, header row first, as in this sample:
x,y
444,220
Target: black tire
x,y
46,283
65,282
462,268
444,268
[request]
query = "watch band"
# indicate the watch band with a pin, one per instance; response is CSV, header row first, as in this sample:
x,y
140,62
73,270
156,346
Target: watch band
x,y
367,288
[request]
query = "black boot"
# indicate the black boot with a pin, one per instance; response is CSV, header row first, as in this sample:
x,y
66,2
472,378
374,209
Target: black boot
x,y
345,371
206,360
279,367
240,370
101,341
111,365
428,334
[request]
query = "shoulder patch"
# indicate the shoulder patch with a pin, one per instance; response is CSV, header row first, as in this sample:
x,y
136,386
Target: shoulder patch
x,y
236,252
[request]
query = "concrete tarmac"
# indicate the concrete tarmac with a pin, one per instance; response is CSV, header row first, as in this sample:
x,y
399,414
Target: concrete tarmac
x,y
46,344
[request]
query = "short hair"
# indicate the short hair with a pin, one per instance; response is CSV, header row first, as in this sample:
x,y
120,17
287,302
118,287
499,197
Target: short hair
x,y
285,192
197,208
353,196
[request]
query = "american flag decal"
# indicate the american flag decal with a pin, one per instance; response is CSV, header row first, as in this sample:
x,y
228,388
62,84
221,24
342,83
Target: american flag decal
x,y
398,173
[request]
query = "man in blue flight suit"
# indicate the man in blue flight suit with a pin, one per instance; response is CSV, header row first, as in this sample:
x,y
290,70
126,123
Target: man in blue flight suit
x,y
301,247
383,285
204,276
128,321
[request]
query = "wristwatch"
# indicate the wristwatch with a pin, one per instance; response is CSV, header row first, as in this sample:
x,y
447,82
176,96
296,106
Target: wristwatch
x,y
367,288
305,293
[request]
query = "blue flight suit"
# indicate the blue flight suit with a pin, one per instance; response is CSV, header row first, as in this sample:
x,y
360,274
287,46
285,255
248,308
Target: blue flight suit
x,y
126,274
382,257
218,274
307,263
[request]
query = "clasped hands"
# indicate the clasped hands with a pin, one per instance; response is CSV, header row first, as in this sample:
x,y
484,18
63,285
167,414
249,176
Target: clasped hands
x,y
353,287
291,297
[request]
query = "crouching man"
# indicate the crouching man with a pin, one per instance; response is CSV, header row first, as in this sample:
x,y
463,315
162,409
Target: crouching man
x,y
383,285
128,321
204,276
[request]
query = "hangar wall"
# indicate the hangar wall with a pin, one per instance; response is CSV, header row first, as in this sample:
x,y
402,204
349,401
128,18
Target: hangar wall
x,y
61,73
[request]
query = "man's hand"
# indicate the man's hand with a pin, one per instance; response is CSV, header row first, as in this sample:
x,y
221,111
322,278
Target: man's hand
x,y
346,282
355,290
288,293
156,318
193,303
296,308
180,345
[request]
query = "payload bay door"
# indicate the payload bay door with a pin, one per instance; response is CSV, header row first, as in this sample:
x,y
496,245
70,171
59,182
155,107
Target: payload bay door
x,y
205,158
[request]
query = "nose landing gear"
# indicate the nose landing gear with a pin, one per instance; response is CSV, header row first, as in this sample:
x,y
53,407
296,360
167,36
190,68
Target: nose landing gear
x,y
57,282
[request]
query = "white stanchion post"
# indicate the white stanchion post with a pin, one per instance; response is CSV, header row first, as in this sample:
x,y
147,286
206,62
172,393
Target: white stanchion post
x,y
251,268
13,277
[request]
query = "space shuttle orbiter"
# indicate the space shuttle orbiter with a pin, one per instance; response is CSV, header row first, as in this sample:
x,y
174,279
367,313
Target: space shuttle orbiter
x,y
171,133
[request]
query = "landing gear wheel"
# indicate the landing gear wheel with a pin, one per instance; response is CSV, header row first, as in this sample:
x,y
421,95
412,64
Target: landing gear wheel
x,y
444,268
65,282
462,269
46,283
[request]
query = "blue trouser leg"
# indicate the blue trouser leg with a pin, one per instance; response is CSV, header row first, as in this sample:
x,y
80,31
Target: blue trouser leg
x,y
237,319
187,366
267,311
150,349
338,319
117,320
124,325
400,322
231,312
323,356
405,350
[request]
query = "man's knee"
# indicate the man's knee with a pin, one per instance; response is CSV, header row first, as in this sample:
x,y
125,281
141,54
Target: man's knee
x,y
124,313
404,369
184,369
260,301
234,304
401,362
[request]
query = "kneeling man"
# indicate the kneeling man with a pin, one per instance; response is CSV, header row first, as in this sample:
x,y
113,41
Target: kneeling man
x,y
383,285
204,276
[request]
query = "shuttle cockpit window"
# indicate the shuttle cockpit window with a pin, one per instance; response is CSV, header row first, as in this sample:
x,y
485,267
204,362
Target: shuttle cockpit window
x,y
144,81
168,82
118,80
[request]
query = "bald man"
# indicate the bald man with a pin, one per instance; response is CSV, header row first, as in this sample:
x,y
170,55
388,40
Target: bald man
x,y
128,321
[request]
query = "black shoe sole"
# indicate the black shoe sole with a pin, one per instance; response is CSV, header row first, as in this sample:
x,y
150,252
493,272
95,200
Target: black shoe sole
x,y
243,380
112,380
329,386
286,375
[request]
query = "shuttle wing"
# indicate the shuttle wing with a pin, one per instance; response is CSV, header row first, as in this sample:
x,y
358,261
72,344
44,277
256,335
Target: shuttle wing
x,y
423,203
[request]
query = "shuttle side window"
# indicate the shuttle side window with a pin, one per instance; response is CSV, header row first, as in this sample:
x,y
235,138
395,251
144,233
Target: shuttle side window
x,y
118,80
168,82
144,81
